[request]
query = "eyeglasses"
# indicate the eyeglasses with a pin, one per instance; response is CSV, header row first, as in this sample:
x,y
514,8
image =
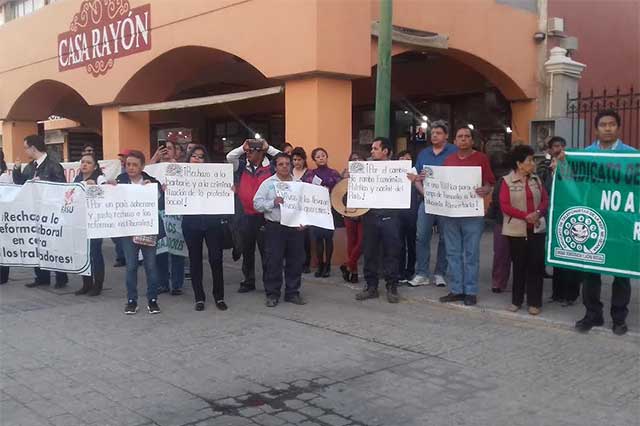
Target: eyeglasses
x,y
201,157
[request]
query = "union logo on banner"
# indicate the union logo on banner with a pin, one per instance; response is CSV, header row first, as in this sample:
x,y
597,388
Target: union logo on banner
x,y
102,31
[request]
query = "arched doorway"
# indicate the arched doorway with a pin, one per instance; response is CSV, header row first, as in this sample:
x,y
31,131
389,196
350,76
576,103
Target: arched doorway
x,y
193,72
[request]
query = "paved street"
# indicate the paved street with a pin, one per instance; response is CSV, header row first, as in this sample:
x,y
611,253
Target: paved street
x,y
70,360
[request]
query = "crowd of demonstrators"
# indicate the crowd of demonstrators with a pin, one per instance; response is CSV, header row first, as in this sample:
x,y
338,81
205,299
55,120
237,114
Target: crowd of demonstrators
x,y
353,228
299,173
323,238
209,229
394,241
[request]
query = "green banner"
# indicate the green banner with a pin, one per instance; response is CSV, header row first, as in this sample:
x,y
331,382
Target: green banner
x,y
595,214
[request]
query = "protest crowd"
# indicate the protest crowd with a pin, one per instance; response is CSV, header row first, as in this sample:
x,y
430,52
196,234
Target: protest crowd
x,y
395,242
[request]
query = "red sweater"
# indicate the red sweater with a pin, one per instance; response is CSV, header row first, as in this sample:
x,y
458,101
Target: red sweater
x,y
475,159
507,208
248,186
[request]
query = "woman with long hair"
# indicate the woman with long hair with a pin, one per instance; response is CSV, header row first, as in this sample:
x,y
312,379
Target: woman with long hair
x,y
91,174
209,229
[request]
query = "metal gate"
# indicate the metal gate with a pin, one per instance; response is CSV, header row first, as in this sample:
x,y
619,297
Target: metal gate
x,y
587,107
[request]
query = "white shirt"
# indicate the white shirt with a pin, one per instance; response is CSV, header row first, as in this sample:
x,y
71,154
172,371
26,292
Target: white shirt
x,y
40,160
265,196
6,178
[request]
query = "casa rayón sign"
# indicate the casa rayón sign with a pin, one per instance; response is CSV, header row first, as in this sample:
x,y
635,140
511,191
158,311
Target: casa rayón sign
x,y
101,32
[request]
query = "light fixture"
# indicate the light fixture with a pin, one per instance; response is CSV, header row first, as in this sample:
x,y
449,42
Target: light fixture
x,y
224,139
180,132
424,125
425,118
471,126
257,136
509,130
406,112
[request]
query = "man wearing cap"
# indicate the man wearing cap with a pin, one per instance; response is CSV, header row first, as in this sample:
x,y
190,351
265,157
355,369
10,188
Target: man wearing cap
x,y
251,165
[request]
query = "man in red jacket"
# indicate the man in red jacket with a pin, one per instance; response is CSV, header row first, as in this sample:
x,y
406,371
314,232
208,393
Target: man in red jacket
x,y
251,165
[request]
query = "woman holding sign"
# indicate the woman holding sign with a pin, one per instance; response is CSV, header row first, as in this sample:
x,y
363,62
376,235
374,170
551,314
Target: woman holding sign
x,y
204,228
91,174
524,203
300,173
327,177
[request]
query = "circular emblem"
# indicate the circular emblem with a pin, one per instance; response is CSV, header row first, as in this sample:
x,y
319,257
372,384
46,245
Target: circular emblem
x,y
428,171
356,167
173,170
581,229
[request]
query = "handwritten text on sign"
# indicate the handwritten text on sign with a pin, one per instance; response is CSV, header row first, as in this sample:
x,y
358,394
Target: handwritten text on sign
x,y
42,224
122,210
199,189
450,191
379,185
305,204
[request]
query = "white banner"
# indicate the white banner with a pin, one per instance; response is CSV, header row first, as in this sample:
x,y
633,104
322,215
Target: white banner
x,y
379,185
305,204
122,210
173,242
157,171
43,224
199,189
451,191
110,168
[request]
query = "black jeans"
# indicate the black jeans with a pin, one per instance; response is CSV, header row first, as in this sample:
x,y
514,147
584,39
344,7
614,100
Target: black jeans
x,y
620,296
284,245
565,284
307,247
4,274
252,234
194,238
527,257
323,238
44,277
408,228
380,232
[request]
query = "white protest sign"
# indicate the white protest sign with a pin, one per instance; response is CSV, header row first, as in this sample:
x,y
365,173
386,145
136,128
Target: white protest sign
x,y
110,168
122,210
305,204
199,189
173,242
379,185
43,224
450,191
157,171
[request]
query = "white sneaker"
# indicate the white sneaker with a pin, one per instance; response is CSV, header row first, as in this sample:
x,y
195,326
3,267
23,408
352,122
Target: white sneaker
x,y
419,280
439,280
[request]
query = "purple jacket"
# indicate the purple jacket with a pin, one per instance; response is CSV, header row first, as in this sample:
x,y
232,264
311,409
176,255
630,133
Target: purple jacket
x,y
330,177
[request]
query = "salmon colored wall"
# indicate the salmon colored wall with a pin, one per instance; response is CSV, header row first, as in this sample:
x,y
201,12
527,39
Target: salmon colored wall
x,y
13,134
318,113
495,39
124,131
276,43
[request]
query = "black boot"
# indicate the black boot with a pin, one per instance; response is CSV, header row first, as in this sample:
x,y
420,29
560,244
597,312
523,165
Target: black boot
x,y
97,285
326,272
87,285
320,270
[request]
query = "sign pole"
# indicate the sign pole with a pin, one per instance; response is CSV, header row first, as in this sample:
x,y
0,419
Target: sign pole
x,y
383,77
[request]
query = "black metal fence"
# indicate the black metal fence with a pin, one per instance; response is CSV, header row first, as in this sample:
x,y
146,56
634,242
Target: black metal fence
x,y
582,111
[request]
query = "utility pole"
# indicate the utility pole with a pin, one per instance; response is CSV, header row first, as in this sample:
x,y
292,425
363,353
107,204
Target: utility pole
x,y
383,78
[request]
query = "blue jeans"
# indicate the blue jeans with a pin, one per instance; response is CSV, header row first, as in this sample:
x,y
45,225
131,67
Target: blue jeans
x,y
149,260
462,241
119,250
164,261
424,232
97,260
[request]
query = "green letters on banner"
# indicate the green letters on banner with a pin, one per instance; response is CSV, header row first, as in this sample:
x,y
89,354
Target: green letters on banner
x,y
595,214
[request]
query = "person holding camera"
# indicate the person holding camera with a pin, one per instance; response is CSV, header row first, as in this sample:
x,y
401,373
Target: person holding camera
x,y
251,166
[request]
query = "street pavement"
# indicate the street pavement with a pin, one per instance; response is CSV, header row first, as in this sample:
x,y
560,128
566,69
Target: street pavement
x,y
69,360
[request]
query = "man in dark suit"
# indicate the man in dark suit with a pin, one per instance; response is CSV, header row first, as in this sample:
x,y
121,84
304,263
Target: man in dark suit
x,y
41,167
